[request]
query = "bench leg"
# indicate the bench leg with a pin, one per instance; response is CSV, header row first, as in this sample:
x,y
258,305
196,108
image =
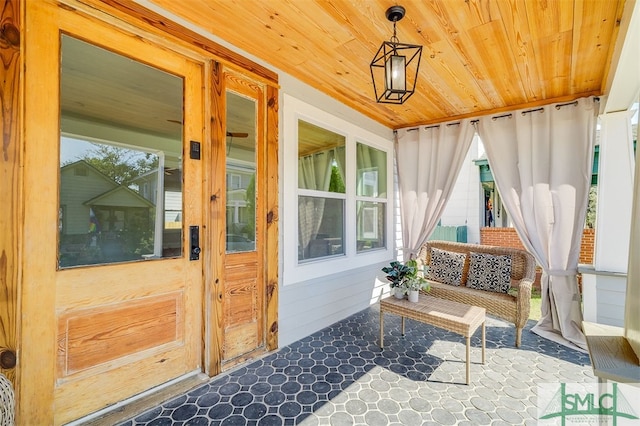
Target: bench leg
x,y
381,329
484,340
402,326
518,337
468,356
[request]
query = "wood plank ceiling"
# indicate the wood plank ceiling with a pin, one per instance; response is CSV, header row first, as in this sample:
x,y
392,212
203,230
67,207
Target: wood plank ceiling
x,y
479,56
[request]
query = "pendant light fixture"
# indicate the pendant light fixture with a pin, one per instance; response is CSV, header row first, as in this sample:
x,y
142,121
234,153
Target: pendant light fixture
x,y
394,69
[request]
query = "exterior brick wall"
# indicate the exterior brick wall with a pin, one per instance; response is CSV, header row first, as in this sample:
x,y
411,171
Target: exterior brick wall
x,y
507,237
588,248
501,237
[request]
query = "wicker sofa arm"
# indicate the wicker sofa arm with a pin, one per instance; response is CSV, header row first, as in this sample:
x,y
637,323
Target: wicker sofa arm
x,y
523,299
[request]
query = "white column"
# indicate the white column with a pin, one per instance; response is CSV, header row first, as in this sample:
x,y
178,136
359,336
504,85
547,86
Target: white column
x,y
615,192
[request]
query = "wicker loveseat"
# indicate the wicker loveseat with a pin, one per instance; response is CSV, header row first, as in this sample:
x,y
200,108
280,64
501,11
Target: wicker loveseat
x,y
513,306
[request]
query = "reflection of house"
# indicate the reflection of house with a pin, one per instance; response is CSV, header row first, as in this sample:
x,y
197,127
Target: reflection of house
x,y
239,178
116,208
147,185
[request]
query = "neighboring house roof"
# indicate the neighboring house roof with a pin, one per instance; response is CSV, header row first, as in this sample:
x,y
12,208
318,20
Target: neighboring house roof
x,y
68,167
120,197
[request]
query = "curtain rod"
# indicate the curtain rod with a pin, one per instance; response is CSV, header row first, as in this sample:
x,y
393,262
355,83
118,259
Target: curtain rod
x,y
575,103
595,99
538,109
502,116
457,123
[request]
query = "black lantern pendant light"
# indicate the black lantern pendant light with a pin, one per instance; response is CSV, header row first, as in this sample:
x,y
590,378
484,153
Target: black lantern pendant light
x,y
394,69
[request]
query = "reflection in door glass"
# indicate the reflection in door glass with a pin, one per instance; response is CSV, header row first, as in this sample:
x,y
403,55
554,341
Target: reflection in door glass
x,y
241,173
120,159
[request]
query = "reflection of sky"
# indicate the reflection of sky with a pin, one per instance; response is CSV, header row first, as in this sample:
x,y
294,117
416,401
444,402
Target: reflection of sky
x,y
72,150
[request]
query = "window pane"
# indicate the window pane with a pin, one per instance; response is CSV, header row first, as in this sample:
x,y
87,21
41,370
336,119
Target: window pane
x,y
120,163
372,172
320,227
321,157
371,225
241,172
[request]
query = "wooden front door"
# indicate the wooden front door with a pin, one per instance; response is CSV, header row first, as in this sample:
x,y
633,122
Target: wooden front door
x,y
243,285
113,292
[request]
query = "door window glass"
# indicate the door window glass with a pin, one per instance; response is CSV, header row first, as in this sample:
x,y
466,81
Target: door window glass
x,y
120,159
241,173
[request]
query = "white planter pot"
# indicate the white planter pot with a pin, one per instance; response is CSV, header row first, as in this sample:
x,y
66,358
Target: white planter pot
x,y
413,296
398,293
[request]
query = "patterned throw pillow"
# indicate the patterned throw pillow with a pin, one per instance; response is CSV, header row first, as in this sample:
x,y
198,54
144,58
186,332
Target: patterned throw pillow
x,y
446,266
489,272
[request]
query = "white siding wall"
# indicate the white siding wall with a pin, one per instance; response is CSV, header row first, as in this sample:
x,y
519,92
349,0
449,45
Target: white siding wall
x,y
465,205
603,296
309,306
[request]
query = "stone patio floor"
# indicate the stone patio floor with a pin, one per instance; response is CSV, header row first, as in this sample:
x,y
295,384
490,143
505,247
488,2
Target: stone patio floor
x,y
340,376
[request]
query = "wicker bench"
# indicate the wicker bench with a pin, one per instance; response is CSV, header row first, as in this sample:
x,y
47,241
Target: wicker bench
x,y
513,307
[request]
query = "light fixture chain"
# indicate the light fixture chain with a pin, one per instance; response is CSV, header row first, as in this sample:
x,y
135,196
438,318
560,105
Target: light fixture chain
x,y
394,38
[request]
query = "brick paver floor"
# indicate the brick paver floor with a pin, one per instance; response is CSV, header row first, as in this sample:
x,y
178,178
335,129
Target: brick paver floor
x,y
340,376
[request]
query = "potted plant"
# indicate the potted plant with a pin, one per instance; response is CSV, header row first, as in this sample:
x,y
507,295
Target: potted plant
x,y
414,285
415,280
397,274
406,278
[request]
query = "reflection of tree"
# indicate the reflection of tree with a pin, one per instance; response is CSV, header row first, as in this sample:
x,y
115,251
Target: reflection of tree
x,y
336,184
123,166
591,207
120,164
250,197
139,235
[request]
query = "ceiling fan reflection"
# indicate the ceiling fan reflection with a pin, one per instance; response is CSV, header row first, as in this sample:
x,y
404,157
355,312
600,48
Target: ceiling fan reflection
x,y
229,134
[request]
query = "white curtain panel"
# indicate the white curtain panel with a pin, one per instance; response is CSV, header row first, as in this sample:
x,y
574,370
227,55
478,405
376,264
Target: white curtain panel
x,y
314,172
429,160
541,161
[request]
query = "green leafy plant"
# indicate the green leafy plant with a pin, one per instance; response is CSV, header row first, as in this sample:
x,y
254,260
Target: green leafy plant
x,y
406,276
397,273
417,283
415,279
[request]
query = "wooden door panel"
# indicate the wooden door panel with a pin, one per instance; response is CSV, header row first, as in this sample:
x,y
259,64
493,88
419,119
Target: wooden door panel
x,y
88,338
242,307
